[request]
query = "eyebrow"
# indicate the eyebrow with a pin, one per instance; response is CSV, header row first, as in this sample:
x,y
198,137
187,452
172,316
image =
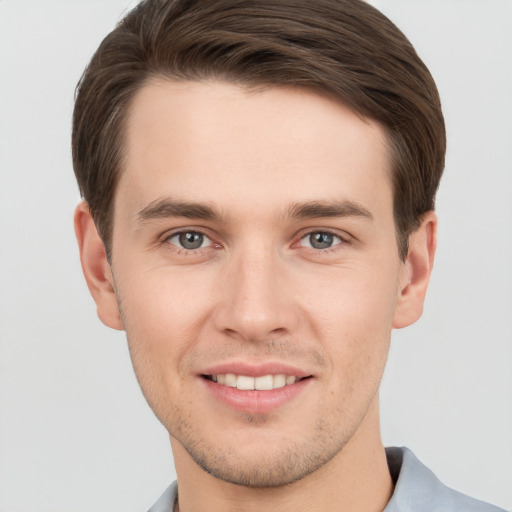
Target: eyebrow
x,y
168,208
319,209
165,208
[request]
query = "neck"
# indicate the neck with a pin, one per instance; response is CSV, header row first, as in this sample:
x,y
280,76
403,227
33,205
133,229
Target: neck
x,y
357,478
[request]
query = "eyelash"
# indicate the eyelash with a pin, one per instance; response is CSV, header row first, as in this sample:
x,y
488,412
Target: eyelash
x,y
339,241
184,250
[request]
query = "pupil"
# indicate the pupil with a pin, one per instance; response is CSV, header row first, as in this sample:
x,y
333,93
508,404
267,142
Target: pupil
x,y
321,240
191,240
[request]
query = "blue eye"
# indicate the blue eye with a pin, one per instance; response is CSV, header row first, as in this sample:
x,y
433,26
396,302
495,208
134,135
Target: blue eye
x,y
190,240
320,240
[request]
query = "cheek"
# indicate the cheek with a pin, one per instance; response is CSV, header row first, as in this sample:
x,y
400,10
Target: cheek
x,y
352,316
351,300
163,315
163,319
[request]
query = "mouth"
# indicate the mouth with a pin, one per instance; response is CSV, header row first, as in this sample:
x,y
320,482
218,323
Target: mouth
x,y
249,383
256,388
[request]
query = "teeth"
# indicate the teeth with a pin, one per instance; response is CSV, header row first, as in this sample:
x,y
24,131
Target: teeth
x,y
263,383
279,381
243,382
230,380
290,380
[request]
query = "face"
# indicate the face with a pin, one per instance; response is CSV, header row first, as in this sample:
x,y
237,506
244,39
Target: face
x,y
256,268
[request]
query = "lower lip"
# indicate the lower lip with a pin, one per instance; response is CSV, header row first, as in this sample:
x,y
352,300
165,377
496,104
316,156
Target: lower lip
x,y
255,401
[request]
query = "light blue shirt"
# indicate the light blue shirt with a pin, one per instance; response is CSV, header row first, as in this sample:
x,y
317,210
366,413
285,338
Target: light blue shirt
x,y
416,490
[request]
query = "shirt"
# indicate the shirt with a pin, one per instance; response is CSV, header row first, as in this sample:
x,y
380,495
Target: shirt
x,y
417,489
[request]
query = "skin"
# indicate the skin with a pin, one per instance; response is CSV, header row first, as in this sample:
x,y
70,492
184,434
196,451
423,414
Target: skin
x,y
257,293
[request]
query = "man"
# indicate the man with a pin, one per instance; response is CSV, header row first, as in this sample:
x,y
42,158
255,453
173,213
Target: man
x,y
259,181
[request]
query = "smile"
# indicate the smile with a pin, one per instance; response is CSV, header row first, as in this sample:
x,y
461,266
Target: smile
x,y
256,390
247,383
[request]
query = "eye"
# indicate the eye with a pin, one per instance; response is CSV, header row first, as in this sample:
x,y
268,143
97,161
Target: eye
x,y
320,240
190,240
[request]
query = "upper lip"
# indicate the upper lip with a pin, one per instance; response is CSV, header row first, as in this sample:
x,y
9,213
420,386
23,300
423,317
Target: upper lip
x,y
255,369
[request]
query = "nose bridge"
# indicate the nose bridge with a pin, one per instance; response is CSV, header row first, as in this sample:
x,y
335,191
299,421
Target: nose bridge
x,y
255,299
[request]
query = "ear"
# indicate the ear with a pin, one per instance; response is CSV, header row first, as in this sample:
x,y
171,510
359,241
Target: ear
x,y
416,272
96,267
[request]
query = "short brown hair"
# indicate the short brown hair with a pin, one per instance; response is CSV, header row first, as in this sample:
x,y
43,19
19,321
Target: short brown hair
x,y
343,47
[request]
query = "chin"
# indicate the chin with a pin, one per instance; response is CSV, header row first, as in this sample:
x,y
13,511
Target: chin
x,y
276,471
265,463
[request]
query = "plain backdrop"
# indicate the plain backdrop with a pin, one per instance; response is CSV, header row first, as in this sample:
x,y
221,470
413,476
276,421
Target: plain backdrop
x,y
75,432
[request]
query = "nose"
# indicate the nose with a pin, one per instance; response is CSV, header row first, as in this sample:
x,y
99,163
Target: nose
x,y
256,297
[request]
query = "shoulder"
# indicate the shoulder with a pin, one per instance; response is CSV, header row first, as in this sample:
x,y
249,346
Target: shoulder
x,y
417,489
166,502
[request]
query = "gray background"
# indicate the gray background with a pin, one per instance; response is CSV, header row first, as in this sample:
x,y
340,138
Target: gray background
x,y
75,432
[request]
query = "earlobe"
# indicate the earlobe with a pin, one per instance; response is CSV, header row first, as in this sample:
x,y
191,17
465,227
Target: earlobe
x,y
96,267
416,272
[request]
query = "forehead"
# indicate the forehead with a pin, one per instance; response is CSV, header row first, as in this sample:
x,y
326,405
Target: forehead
x,y
217,142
